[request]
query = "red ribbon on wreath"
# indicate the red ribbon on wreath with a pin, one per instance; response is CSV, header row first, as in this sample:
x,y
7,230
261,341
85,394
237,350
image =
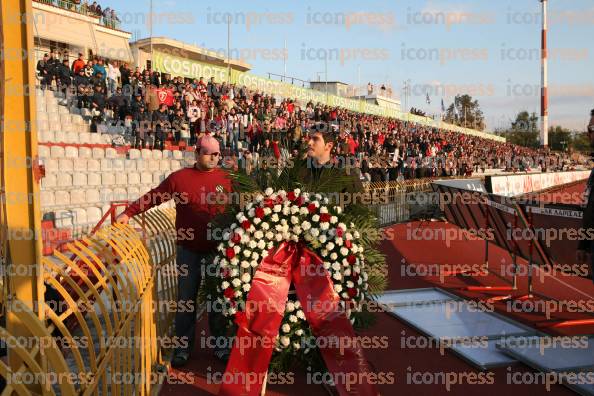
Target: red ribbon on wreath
x,y
258,325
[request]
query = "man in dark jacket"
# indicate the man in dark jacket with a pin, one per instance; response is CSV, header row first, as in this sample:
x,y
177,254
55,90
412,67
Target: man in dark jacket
x,y
81,82
64,76
161,125
586,247
42,71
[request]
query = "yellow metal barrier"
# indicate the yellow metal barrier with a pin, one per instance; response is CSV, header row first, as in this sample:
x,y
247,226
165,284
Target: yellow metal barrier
x,y
101,333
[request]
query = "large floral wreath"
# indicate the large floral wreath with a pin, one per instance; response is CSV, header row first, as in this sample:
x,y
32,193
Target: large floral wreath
x,y
277,216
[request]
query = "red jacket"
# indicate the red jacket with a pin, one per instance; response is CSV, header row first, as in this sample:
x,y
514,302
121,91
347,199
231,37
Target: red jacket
x,y
199,196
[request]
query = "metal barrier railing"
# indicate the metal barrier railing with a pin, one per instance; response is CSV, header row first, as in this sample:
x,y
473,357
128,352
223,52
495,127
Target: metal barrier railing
x,y
107,312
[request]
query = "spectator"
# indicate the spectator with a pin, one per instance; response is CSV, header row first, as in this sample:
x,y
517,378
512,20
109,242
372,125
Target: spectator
x,y
78,64
64,76
113,77
161,126
43,72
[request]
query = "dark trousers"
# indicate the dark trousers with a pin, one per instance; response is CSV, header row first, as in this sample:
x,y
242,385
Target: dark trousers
x,y
191,266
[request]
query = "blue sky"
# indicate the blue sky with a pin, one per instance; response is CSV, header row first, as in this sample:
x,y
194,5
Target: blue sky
x,y
489,49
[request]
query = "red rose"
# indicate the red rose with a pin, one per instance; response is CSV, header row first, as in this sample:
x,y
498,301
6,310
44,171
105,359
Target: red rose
x,y
339,232
229,292
351,259
225,273
348,244
269,203
230,253
312,208
236,238
246,225
355,277
299,201
259,212
279,200
325,217
352,292
291,196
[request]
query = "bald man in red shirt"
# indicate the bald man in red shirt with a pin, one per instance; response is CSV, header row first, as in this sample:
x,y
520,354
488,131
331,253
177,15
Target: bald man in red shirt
x,y
195,191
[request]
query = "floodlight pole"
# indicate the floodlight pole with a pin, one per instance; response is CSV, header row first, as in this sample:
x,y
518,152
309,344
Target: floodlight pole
x,y
544,100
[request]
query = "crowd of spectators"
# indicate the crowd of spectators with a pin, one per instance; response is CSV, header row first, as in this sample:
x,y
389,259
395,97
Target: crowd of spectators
x,y
108,15
156,109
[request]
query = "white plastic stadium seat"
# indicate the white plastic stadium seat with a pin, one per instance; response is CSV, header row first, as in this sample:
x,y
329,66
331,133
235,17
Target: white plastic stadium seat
x,y
62,197
85,152
94,179
80,216
158,177
43,151
106,195
175,165
49,181
133,193
133,154
85,138
57,152
153,165
72,137
47,136
118,165
121,178
80,164
146,178
71,152
96,138
107,179
64,179
93,195
146,154
133,178
167,154
93,165
52,165
129,165
64,218
79,179
59,136
77,197
157,154
106,165
47,198
164,165
93,215
98,152
110,152
120,194
178,155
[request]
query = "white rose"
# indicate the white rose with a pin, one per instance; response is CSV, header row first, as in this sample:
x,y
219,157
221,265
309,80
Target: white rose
x,y
245,278
306,225
299,332
333,219
290,307
344,251
339,241
270,245
294,209
236,282
324,252
286,328
292,318
240,216
264,254
343,226
355,248
269,235
336,266
350,284
356,234
296,345
294,220
337,288
297,191
322,238
255,256
324,226
261,245
286,211
314,232
297,304
267,211
257,221
295,238
258,234
348,236
326,265
337,276
303,210
297,230
268,191
338,210
232,311
330,246
300,314
234,261
226,235
252,244
345,295
279,237
323,209
277,208
237,249
247,253
265,226
274,218
246,287
245,264
224,285
347,272
234,272
315,218
251,212
259,198
285,341
333,256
